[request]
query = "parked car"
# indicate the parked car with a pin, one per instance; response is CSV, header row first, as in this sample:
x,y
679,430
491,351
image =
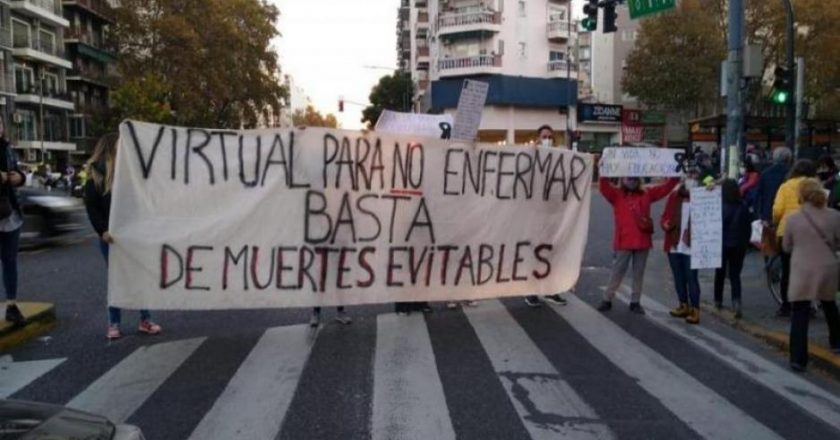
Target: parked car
x,y
20,420
49,216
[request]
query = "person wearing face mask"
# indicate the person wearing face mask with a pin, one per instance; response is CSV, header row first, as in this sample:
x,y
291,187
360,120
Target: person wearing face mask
x,y
632,238
748,182
827,172
545,138
676,223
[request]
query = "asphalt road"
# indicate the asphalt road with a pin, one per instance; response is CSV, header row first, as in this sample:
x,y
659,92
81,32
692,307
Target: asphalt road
x,y
496,371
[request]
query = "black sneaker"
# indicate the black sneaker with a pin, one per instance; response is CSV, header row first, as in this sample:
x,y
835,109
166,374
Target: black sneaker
x,y
637,308
556,299
797,367
533,301
604,306
14,315
783,312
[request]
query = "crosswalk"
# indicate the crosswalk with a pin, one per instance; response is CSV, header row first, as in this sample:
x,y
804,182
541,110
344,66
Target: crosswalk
x,y
410,394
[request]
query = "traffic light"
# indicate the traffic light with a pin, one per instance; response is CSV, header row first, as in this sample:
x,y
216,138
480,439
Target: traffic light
x,y
782,90
340,105
590,10
610,17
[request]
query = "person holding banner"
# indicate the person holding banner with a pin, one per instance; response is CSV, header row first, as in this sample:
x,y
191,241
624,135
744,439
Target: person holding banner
x,y
545,138
11,221
812,238
97,196
633,230
676,223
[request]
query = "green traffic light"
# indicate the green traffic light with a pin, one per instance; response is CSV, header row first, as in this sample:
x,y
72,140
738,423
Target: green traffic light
x,y
780,97
588,24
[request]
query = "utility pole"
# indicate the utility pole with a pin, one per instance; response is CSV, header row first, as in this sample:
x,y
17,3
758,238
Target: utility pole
x,y
734,107
569,82
799,97
790,104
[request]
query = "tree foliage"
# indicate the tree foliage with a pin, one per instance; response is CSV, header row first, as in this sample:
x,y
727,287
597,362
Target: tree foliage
x,y
313,118
392,92
205,62
675,64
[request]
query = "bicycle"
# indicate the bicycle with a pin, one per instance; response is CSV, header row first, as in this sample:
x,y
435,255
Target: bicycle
x,y
773,272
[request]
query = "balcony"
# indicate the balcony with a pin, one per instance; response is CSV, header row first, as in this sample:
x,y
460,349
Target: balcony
x,y
92,76
423,18
560,31
562,69
28,94
41,51
100,8
421,3
46,10
91,45
423,54
456,24
474,65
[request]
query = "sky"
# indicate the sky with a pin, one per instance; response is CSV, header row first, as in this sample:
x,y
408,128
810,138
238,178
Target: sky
x,y
329,46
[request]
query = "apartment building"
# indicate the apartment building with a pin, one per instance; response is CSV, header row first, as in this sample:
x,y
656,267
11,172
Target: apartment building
x,y
41,102
523,49
609,58
93,58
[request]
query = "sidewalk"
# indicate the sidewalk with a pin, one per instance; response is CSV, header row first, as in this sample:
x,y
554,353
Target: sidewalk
x,y
41,318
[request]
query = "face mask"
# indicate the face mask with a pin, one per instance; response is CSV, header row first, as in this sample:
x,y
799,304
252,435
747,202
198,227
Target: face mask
x,y
631,184
545,142
690,183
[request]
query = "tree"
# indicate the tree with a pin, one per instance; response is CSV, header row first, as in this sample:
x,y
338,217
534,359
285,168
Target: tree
x,y
392,92
313,118
209,61
675,64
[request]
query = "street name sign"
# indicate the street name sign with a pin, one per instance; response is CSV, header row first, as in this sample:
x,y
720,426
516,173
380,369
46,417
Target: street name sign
x,y
641,8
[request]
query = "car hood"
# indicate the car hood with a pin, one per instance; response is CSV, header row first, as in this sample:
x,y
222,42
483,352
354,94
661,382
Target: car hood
x,y
29,421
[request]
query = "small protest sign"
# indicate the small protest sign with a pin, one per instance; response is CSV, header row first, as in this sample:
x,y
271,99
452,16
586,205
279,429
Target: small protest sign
x,y
706,228
641,162
470,105
415,124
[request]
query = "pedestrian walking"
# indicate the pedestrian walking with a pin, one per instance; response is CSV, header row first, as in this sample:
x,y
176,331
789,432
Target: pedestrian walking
x,y
632,241
827,172
736,237
545,138
11,220
769,182
676,223
812,238
785,204
97,196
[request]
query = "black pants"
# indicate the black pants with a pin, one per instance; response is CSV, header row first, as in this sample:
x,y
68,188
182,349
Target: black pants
x,y
732,264
785,279
800,314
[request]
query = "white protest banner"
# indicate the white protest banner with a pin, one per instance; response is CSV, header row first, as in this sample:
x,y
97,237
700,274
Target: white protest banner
x,y
706,228
641,162
220,219
417,124
468,114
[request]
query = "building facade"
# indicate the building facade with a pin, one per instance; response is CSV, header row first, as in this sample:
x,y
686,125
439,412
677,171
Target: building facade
x,y
93,58
609,58
523,49
41,103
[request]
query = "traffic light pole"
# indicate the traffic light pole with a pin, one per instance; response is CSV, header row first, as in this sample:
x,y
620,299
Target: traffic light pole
x,y
734,107
790,104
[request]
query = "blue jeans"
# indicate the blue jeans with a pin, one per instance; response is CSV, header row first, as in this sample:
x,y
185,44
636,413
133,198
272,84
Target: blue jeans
x,y
8,257
686,280
115,313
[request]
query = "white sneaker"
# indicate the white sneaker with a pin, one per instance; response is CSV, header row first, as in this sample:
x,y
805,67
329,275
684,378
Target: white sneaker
x,y
343,318
452,305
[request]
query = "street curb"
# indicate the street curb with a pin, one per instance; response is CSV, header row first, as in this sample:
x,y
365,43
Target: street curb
x,y
819,355
41,317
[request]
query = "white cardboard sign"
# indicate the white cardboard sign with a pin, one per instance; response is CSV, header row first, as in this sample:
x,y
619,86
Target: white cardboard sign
x,y
641,162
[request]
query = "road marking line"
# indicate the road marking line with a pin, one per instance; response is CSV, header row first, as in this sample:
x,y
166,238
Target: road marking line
x,y
14,376
255,401
783,382
548,407
683,395
124,388
408,398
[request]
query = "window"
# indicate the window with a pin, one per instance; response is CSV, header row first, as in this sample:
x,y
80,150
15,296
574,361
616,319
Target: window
x,y
585,53
50,84
28,126
24,80
46,42
522,49
77,126
556,15
20,33
522,8
555,55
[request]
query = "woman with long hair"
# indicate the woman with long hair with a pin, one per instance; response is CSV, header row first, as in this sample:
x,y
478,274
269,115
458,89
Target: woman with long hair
x,y
97,195
11,221
736,237
785,204
812,238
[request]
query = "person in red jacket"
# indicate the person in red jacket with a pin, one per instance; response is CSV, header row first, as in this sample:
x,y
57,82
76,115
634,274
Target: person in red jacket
x,y
633,230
